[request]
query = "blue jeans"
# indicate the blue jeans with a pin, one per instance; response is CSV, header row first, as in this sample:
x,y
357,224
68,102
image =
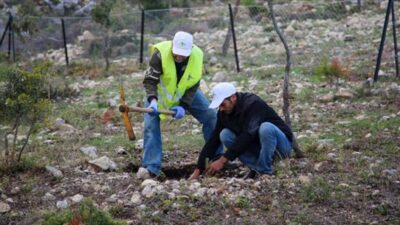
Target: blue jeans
x,y
272,140
152,143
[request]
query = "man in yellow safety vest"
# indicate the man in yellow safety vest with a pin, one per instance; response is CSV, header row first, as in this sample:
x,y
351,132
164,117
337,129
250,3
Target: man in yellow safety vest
x,y
172,82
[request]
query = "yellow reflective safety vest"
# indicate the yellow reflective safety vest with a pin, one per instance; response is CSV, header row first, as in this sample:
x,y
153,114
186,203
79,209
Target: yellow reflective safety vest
x,y
169,92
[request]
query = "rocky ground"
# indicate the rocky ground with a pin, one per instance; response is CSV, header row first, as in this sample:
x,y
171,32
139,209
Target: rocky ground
x,y
350,133
350,173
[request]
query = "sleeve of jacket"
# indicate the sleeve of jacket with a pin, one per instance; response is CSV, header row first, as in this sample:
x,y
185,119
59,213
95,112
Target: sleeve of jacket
x,y
152,75
210,147
187,98
250,131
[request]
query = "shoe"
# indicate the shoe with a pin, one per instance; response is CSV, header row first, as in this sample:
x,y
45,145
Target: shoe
x,y
143,173
252,174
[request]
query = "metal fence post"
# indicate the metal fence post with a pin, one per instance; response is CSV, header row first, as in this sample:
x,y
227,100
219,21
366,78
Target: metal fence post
x,y
378,60
65,41
12,42
395,40
141,37
10,35
5,32
234,38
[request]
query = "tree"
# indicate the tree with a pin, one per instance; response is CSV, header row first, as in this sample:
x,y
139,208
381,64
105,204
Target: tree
x,y
101,14
286,103
23,105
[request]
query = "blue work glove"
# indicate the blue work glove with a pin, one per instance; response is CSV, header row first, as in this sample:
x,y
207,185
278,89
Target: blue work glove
x,y
180,112
153,106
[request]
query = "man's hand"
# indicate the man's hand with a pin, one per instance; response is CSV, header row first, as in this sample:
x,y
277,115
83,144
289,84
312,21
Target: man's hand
x,y
179,112
195,175
216,166
153,106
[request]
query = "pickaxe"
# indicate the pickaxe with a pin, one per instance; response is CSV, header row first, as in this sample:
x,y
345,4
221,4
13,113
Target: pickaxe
x,y
125,109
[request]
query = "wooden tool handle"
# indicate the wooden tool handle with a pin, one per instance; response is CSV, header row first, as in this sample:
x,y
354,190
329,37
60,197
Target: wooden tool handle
x,y
123,108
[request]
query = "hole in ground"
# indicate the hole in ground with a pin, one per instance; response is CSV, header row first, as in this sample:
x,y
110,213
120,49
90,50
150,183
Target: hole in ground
x,y
171,172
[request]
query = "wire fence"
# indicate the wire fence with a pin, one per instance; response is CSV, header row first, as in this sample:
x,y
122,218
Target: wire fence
x,y
314,31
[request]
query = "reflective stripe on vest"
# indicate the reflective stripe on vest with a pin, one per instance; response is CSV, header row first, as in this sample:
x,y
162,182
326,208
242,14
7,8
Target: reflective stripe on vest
x,y
169,92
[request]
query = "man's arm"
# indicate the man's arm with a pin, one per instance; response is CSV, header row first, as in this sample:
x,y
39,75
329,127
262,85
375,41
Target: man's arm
x,y
210,147
152,76
187,98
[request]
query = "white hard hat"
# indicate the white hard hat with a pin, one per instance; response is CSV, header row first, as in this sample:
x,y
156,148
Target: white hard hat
x,y
182,43
220,92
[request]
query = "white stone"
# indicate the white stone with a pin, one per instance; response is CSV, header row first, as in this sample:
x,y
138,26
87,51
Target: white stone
x,y
48,197
304,179
194,186
136,198
149,182
91,151
77,198
331,155
104,163
4,207
148,191
220,77
120,150
62,204
201,192
15,190
54,171
139,144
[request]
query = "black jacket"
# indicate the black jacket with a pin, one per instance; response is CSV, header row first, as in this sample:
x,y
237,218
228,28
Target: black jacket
x,y
249,113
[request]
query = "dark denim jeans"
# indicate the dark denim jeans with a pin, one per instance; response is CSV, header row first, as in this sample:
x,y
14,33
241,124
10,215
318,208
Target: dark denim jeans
x,y
152,143
272,139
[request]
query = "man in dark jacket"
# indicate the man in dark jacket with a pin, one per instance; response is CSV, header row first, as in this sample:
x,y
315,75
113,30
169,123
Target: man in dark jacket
x,y
249,129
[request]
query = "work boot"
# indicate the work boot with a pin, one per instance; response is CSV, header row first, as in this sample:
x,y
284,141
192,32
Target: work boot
x,y
252,174
143,173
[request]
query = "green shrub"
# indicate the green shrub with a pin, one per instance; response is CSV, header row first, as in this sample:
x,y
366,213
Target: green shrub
x,y
57,218
88,215
24,105
330,71
92,216
318,191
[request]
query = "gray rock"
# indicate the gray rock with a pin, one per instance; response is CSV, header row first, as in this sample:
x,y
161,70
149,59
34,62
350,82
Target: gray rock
x,y
389,172
91,151
104,163
4,207
136,198
326,98
48,197
77,198
220,77
344,94
85,10
120,150
54,171
62,204
139,144
15,190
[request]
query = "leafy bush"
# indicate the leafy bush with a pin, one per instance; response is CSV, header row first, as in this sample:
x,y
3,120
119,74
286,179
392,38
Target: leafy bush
x,y
24,104
88,215
318,191
330,71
